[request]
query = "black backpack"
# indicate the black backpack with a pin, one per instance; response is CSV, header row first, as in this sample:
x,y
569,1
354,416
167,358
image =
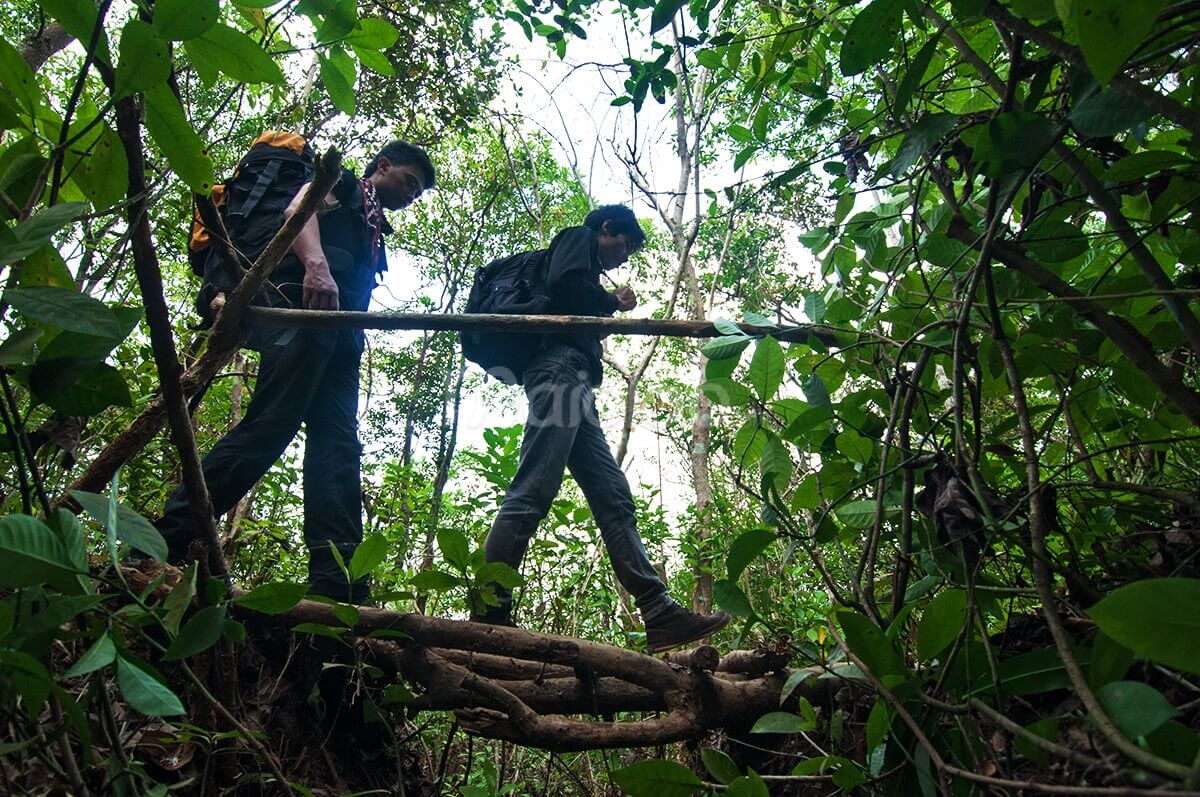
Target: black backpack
x,y
513,285
251,204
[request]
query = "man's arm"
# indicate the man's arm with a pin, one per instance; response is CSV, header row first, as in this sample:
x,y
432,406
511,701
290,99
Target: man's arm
x,y
320,291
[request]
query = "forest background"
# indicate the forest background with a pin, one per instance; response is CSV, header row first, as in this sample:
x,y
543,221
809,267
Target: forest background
x,y
959,498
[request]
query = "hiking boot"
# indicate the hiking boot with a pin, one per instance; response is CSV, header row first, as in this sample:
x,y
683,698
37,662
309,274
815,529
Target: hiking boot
x,y
677,626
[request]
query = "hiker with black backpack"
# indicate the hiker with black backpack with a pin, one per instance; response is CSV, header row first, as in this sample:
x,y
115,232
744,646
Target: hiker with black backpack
x,y
559,374
305,376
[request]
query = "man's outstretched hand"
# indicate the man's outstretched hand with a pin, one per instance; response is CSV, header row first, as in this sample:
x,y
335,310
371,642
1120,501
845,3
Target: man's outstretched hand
x,y
626,298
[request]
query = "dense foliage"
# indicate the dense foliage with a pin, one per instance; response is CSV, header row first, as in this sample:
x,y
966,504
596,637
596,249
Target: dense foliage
x,y
967,495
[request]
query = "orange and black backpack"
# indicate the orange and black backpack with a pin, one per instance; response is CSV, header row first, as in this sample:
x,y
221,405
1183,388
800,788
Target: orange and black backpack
x,y
251,204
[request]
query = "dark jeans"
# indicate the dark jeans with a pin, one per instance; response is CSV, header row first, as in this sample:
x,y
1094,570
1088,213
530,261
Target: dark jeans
x,y
312,380
562,432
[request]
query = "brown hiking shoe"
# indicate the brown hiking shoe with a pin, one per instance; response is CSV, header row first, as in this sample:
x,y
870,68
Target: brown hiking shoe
x,y
677,626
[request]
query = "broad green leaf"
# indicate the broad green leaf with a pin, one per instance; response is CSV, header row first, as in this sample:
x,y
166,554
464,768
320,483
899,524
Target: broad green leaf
x,y
1045,728
1176,742
877,724
235,54
18,348
66,526
870,36
727,347
1108,112
144,60
346,615
18,78
761,118
28,677
776,463
499,573
374,34
726,392
340,19
1137,708
1110,31
434,581
920,138
179,600
815,391
65,308
101,387
319,630
454,547
1110,661
656,778
179,20
745,549
781,722
917,68
37,230
144,692
367,556
1054,241
1012,141
719,765
96,162
867,641
766,368
793,681
855,447
178,140
274,598
664,11
727,327
729,596
748,443
78,17
340,91
199,633
1143,164
941,623
374,60
131,527
33,555
101,654
1146,617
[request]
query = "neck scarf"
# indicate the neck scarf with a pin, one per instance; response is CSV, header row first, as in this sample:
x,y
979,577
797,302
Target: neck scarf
x,y
374,214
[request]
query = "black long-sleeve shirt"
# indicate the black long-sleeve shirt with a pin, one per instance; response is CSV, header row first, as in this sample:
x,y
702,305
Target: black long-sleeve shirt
x,y
573,281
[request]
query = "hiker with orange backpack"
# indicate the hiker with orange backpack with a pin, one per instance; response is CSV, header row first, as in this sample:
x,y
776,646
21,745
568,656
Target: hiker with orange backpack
x,y
306,376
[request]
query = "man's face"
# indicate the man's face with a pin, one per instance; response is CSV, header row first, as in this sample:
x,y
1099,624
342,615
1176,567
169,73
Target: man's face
x,y
613,250
397,186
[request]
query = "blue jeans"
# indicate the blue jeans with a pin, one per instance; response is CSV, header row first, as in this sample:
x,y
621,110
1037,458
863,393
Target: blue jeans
x,y
562,432
312,379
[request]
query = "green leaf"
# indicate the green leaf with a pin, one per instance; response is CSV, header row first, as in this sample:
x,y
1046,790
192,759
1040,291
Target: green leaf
x,y
199,633
795,678
101,654
340,90
815,391
766,368
319,630
178,140
729,596
916,71
374,60
1109,31
1108,112
776,463
1146,617
719,765
179,20
367,556
870,36
1012,141
1175,742
33,555
101,387
1110,661
1144,164
130,526
341,17
855,447
65,308
725,348
37,230
144,691
373,33
726,392
656,778
434,581
1054,241
18,78
920,138
274,598
781,722
941,623
454,547
748,443
499,573
18,348
346,615
664,11
761,117
29,677
877,724
96,162
1136,708
745,549
235,54
78,17
857,514
144,60
867,641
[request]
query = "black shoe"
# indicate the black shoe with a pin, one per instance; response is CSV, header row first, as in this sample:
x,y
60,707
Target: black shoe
x,y
494,617
677,626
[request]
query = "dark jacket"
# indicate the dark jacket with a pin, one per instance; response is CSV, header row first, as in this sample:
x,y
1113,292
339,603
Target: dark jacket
x,y
573,282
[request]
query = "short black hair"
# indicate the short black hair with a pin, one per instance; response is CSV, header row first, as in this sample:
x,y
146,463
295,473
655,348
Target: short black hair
x,y
400,153
621,221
